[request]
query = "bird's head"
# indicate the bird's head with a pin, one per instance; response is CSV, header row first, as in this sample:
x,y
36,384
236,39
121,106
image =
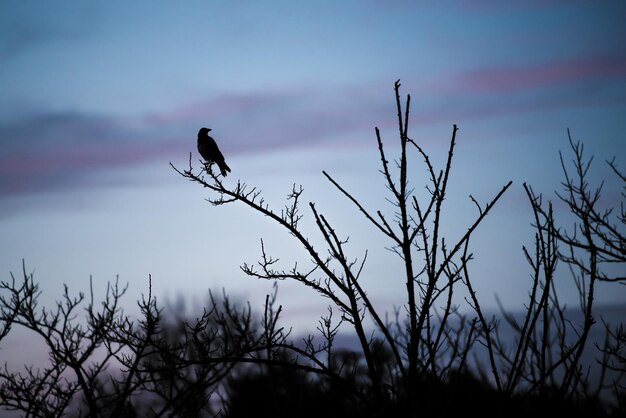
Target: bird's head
x,y
204,131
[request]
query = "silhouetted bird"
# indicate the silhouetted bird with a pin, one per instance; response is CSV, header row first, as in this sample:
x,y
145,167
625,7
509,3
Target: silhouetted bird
x,y
210,152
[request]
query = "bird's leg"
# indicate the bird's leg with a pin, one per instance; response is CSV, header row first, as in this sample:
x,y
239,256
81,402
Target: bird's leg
x,y
207,166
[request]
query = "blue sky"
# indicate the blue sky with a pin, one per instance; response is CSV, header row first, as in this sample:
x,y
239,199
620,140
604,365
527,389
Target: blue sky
x,y
98,98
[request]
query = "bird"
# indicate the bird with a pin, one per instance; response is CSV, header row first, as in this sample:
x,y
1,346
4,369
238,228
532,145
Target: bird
x,y
207,147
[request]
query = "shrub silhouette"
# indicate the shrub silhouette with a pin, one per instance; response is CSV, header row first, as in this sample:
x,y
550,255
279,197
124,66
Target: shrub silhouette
x,y
425,361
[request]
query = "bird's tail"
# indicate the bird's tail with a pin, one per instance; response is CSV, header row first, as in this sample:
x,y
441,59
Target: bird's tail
x,y
224,168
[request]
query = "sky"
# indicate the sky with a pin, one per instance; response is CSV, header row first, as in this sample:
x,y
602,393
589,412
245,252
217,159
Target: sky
x,y
99,97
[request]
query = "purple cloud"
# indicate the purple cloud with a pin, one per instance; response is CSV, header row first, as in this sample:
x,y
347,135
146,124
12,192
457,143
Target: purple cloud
x,y
56,150
587,81
52,151
506,79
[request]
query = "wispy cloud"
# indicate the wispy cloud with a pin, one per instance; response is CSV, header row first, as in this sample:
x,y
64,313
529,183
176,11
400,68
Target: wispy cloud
x,y
485,93
50,151
507,79
53,151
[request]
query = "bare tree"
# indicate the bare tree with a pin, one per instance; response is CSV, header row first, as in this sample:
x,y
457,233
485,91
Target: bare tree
x,y
428,339
594,250
76,361
423,361
432,265
109,365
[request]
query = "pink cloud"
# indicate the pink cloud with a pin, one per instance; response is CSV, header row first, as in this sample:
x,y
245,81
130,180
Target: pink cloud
x,y
67,144
503,79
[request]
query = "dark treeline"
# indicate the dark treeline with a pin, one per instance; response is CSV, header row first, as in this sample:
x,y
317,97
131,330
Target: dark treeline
x,y
427,360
